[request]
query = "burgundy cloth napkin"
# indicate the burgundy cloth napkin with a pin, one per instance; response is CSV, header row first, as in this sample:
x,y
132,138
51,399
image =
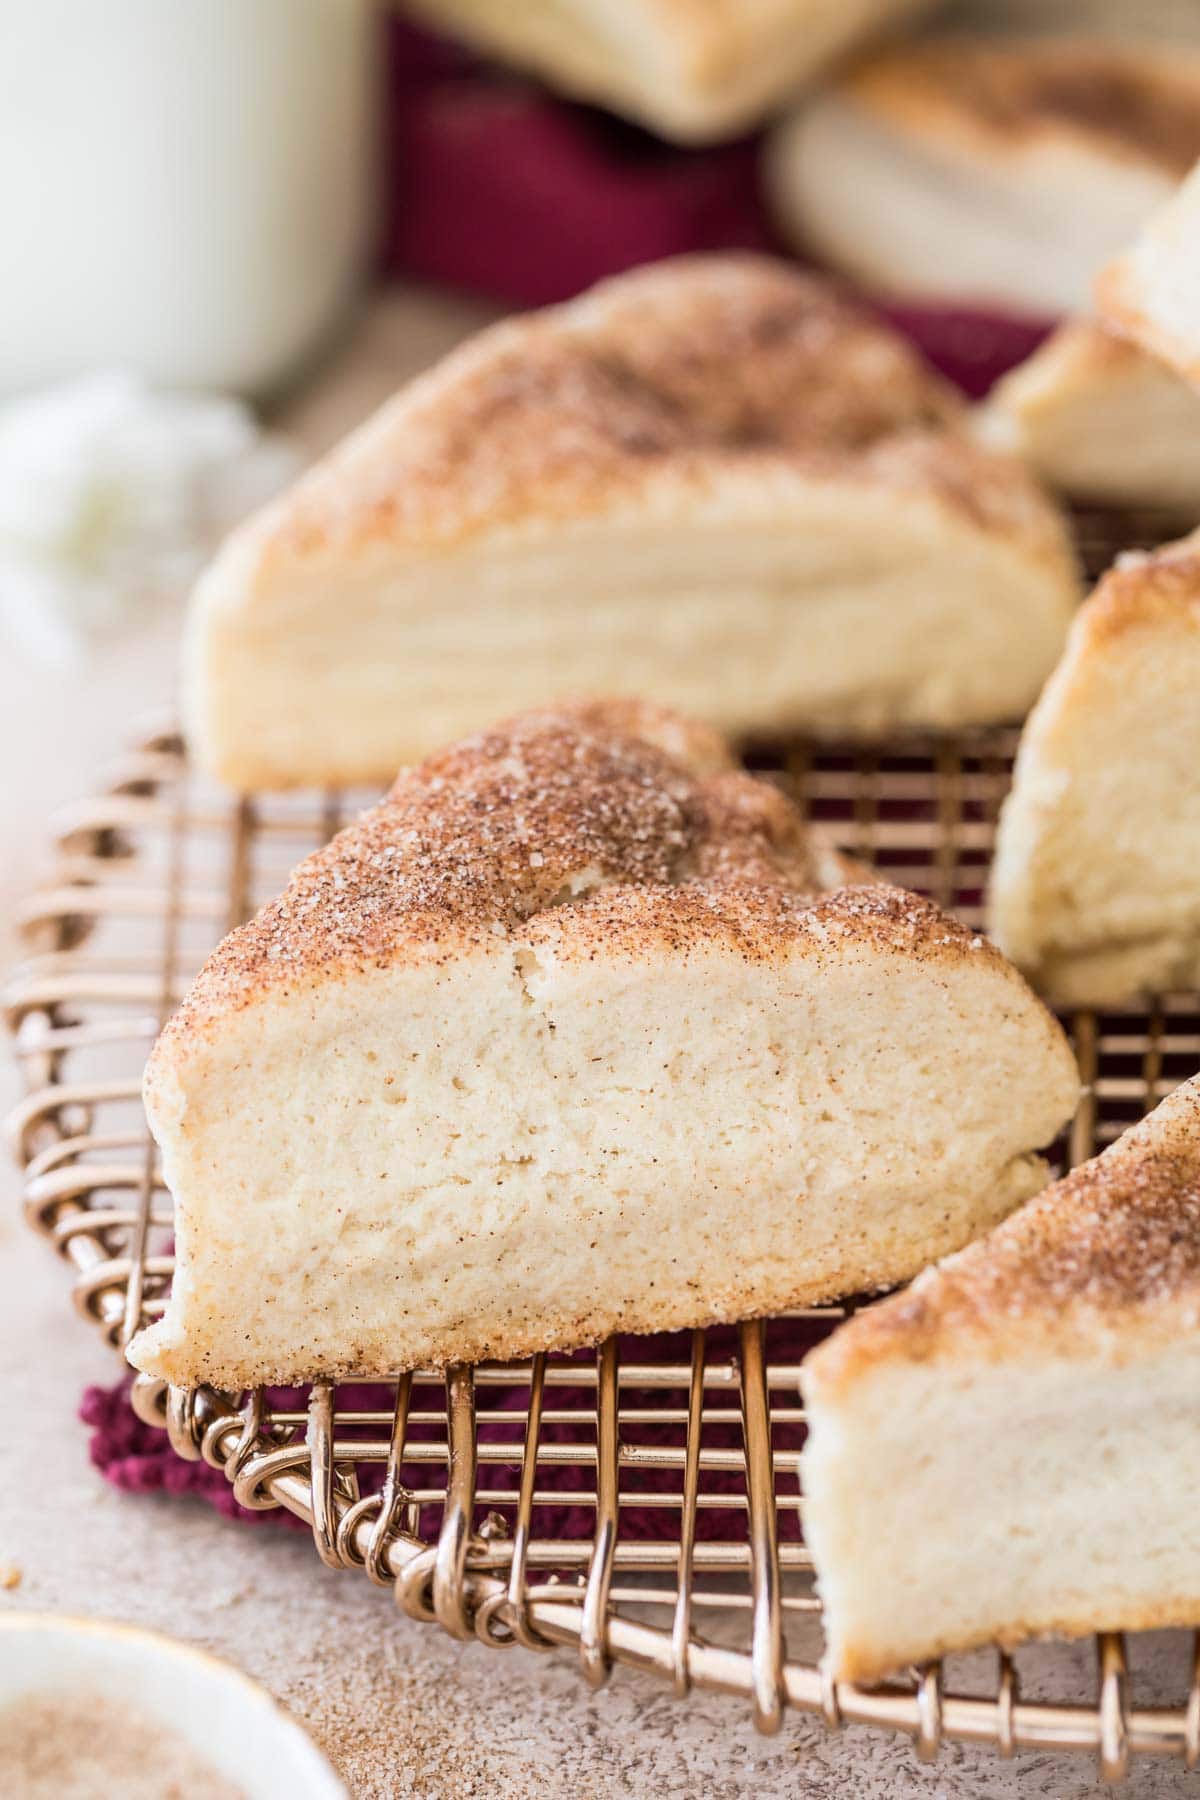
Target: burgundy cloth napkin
x,y
494,186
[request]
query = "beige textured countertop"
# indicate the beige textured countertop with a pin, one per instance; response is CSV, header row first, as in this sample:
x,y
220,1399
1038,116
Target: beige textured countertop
x,y
402,1709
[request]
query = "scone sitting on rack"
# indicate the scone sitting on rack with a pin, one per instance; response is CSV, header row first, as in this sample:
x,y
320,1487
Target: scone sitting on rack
x,y
578,1031
715,482
1101,420
989,170
1151,293
688,69
1011,1448
1096,880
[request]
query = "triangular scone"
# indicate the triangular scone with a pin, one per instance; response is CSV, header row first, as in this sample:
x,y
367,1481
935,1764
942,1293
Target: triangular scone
x,y
995,171
715,482
1011,1448
1096,417
1096,880
1152,292
689,69
567,1037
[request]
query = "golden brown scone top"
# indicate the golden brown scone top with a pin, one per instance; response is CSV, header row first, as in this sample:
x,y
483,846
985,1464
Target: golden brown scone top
x,y
1152,593
574,821
1135,102
1114,1244
1087,351
681,369
1147,587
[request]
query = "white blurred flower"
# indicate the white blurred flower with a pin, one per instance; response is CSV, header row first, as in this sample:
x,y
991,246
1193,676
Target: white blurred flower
x,y
112,495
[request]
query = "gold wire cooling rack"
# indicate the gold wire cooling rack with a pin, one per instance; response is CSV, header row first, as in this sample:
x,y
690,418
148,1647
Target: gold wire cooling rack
x,y
639,1504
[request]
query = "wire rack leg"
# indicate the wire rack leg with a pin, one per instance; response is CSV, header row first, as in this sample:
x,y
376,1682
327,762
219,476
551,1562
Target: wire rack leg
x,y
766,1650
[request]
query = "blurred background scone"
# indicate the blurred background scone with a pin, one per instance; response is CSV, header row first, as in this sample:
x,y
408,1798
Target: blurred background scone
x,y
690,69
723,481
1101,420
565,997
1151,291
1096,880
987,170
1010,1447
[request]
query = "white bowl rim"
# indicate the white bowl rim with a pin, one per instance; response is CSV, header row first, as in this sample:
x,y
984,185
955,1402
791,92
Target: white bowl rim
x,y
326,1783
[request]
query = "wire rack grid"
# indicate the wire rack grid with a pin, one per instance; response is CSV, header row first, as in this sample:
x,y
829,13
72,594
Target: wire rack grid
x,y
639,1504
496,1500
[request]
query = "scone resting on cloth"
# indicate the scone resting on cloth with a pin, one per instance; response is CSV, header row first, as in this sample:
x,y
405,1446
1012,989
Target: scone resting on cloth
x,y
1011,1448
689,69
1096,881
1151,293
578,1031
714,482
1002,172
1098,418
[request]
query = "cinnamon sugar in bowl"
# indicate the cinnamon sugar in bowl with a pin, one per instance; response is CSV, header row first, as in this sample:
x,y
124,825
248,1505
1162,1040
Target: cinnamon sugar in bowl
x,y
89,1707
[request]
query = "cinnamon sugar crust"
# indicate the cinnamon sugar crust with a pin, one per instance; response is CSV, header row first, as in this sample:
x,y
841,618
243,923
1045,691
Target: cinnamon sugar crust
x,y
573,823
1111,1250
1136,103
1147,587
671,373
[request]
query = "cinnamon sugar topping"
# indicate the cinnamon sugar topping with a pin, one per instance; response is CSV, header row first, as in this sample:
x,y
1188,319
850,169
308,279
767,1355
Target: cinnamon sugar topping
x,y
574,819
690,365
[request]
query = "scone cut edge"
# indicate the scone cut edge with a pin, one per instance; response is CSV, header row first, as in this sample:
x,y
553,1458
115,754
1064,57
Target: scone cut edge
x,y
578,1033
